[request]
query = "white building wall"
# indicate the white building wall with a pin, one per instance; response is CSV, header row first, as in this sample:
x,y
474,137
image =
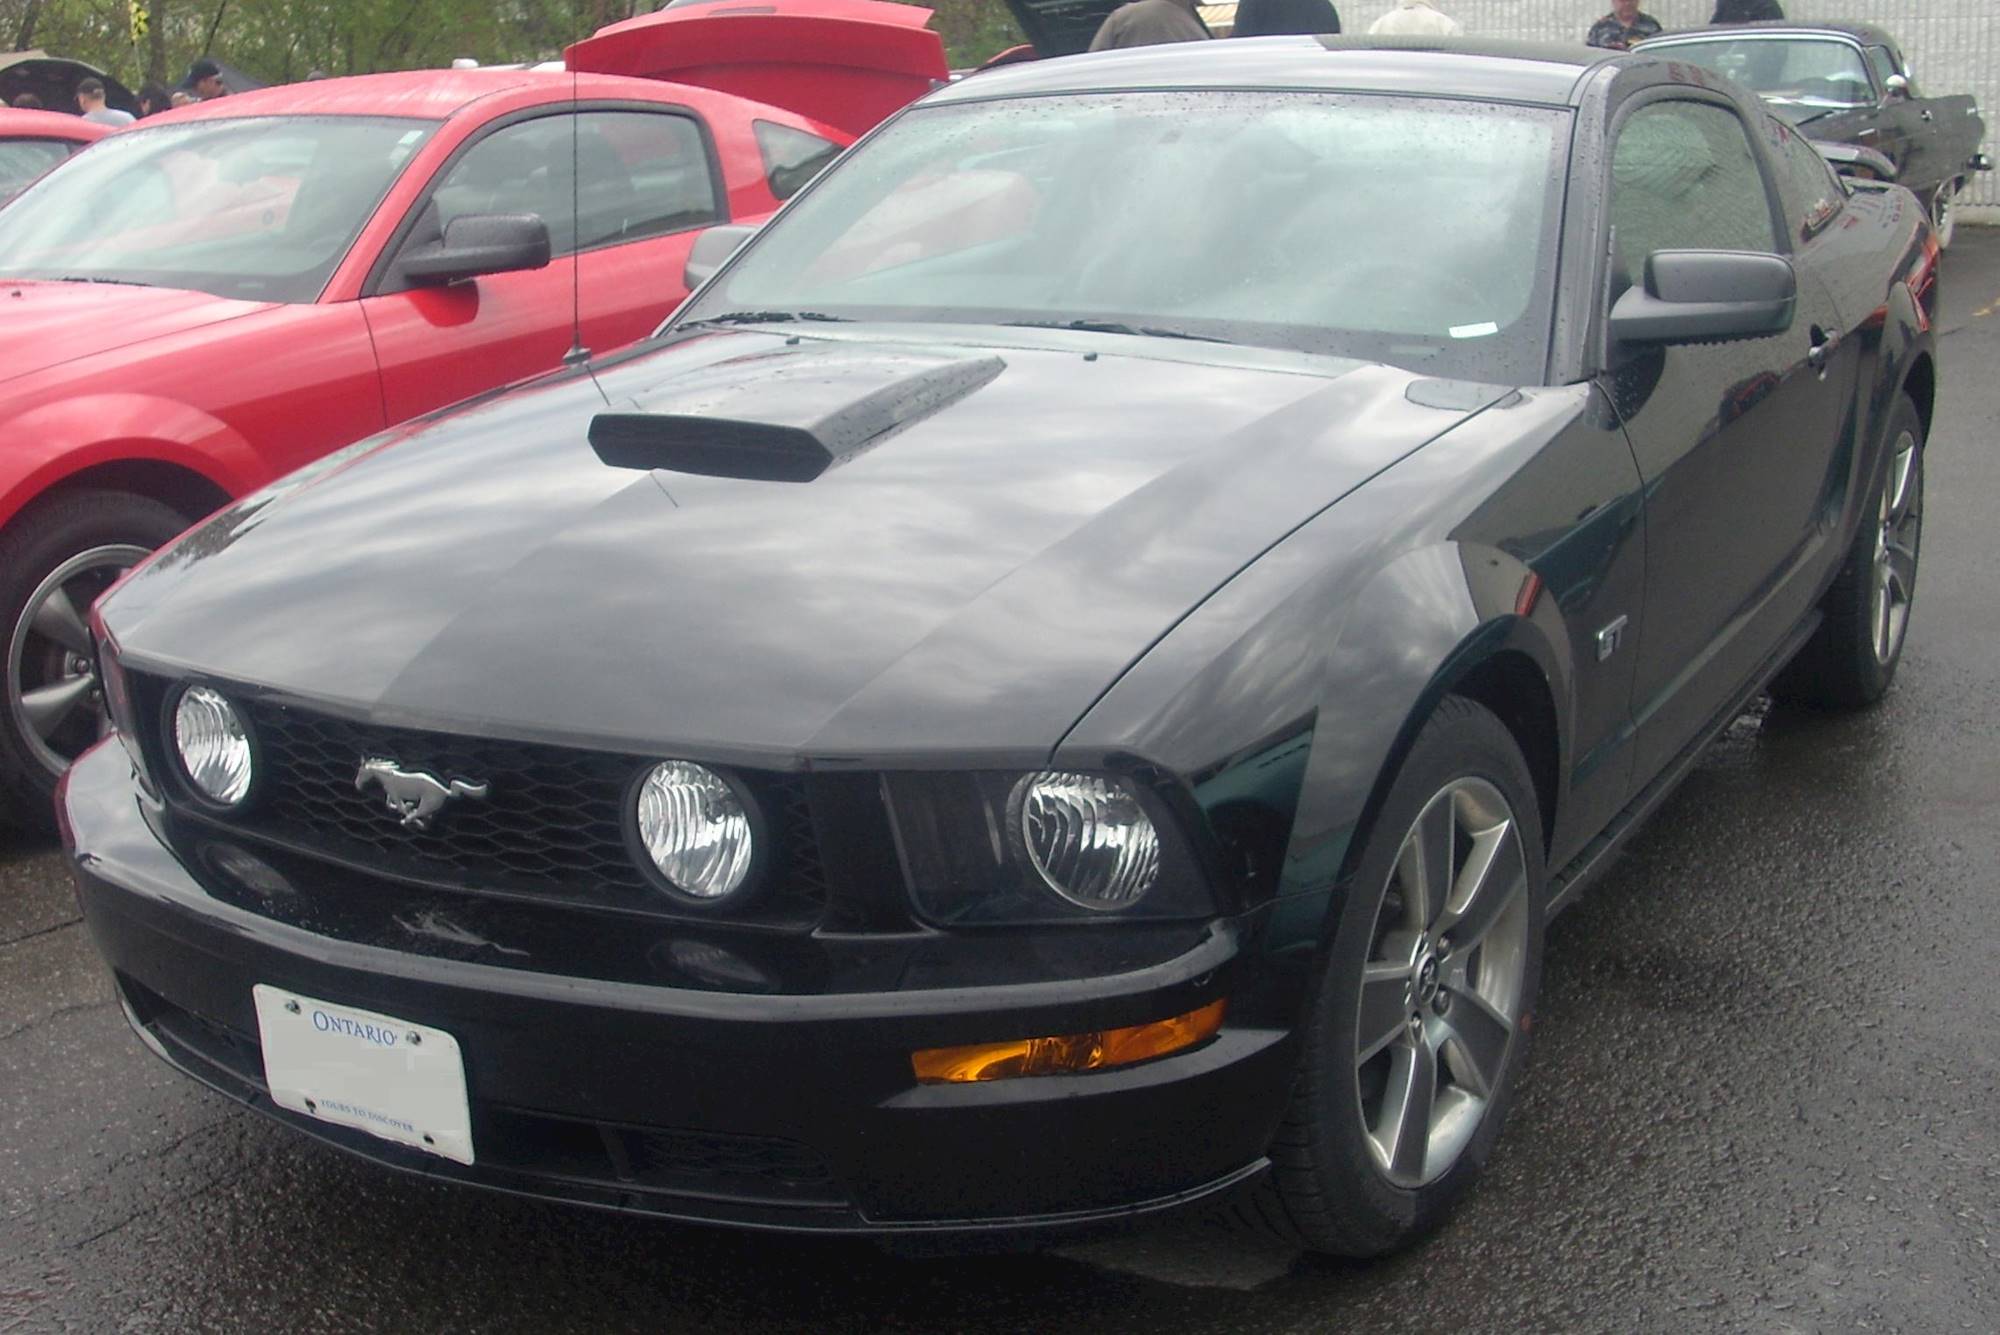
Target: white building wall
x,y
1953,46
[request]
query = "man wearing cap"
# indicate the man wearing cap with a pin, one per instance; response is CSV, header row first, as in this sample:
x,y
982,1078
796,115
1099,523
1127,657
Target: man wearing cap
x,y
204,79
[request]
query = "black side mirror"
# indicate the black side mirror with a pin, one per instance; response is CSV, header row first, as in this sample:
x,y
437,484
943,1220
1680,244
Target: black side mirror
x,y
1707,296
712,250
480,243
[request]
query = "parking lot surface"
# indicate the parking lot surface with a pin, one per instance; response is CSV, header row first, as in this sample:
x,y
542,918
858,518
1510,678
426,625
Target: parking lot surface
x,y
1763,1097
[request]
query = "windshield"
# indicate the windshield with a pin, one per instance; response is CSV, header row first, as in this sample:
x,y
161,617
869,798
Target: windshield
x,y
22,160
1792,73
1416,232
261,209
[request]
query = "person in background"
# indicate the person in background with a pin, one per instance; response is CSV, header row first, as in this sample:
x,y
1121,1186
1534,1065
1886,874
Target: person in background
x,y
1149,23
153,99
1624,27
181,97
1748,11
27,102
204,80
1416,18
1276,18
90,96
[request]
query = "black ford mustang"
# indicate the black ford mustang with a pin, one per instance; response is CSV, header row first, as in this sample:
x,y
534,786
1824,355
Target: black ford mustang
x,y
1066,683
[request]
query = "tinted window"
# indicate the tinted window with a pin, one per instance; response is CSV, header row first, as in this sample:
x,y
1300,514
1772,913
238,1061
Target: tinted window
x,y
1417,232
626,174
22,160
261,208
791,157
1683,177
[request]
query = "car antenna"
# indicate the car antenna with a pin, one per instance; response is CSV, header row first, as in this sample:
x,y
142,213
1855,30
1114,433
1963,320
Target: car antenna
x,y
578,355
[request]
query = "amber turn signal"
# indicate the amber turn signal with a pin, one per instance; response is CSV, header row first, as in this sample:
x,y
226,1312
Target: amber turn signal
x,y
1067,1053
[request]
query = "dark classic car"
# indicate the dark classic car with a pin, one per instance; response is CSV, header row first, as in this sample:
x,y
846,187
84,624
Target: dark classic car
x,y
1018,709
1849,88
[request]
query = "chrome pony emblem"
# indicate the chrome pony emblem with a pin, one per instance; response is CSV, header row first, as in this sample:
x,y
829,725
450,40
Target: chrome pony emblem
x,y
416,797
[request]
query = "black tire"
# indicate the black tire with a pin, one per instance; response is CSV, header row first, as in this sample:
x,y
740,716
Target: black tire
x,y
1842,666
1327,1190
32,549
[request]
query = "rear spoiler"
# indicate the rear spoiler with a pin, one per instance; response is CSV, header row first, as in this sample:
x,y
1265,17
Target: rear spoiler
x,y
850,64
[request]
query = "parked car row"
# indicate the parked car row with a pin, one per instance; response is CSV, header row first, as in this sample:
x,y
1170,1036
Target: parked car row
x,y
1065,684
232,290
1848,88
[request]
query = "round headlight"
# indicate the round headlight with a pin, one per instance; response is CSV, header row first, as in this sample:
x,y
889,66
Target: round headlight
x,y
696,828
214,745
1088,837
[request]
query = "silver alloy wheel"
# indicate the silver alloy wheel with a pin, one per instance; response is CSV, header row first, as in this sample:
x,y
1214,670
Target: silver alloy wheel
x,y
51,667
1944,217
1441,992
1898,532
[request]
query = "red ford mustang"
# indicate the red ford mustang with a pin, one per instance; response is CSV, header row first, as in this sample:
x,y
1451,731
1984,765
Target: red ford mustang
x,y
216,297
31,142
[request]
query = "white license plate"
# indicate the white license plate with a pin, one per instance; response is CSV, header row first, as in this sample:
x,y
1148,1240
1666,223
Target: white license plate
x,y
403,1082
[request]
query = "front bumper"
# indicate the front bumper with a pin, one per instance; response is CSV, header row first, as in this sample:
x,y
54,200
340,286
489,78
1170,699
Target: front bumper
x,y
790,1109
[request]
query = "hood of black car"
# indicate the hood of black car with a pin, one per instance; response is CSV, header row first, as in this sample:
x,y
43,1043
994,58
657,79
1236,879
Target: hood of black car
x,y
966,581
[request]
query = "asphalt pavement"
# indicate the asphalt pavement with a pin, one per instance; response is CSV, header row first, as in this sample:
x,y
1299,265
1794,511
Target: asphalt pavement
x,y
1765,1094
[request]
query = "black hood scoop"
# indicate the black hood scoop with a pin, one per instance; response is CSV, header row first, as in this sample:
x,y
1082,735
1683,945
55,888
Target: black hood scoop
x,y
785,416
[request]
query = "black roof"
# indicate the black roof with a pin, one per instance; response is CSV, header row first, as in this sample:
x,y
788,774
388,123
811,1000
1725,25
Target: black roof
x,y
1545,72
1865,33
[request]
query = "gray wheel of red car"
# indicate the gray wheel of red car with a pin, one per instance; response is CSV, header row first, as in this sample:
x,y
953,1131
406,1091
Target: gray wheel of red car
x,y
1419,1024
54,563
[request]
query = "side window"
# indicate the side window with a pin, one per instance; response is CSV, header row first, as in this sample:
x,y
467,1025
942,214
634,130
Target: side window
x,y
596,179
791,157
1812,193
519,168
1881,65
1684,177
640,174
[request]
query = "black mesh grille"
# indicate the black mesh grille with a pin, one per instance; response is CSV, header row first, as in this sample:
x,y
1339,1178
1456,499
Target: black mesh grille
x,y
552,820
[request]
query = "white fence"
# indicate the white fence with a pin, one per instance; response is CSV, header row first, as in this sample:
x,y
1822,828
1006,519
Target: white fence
x,y
1953,46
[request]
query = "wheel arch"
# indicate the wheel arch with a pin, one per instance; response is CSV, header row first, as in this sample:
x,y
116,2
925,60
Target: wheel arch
x,y
190,491
1498,667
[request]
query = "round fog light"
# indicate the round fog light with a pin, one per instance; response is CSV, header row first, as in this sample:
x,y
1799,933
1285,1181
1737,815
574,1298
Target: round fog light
x,y
214,745
695,827
1089,839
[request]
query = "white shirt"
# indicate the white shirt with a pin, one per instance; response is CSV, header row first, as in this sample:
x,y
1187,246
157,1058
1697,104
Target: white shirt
x,y
1415,18
109,116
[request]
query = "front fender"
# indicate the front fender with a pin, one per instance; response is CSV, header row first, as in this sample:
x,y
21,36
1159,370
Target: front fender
x,y
53,441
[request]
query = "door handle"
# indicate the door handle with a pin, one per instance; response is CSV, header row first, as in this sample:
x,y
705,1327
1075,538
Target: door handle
x,y
1821,351
1926,114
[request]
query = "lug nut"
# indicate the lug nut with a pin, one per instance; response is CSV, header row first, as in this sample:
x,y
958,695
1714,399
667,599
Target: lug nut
x,y
1441,1002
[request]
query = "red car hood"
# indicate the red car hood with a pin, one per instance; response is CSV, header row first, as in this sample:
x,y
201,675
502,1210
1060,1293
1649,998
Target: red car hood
x,y
47,324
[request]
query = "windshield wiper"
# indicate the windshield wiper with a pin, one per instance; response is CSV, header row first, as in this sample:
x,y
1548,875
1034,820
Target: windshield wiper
x,y
1111,327
764,317
95,278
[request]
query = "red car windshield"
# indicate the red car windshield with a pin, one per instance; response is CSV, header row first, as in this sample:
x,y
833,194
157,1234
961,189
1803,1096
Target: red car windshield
x,y
260,209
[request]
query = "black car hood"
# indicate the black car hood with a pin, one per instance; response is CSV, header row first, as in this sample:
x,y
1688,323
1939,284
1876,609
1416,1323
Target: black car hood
x,y
967,584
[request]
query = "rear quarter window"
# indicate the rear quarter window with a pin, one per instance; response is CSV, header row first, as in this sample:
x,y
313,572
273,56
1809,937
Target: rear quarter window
x,y
792,157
